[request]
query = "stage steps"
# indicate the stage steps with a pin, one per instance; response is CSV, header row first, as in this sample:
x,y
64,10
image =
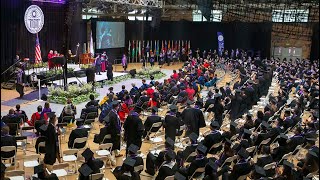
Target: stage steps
x,y
11,84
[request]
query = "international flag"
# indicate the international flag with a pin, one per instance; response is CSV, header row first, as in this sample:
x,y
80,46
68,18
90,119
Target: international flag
x,y
169,44
129,49
142,49
133,50
139,49
162,46
91,45
158,47
38,51
179,46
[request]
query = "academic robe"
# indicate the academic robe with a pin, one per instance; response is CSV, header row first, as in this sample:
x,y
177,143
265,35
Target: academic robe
x,y
115,129
183,155
171,125
294,142
263,160
235,107
153,161
133,130
168,169
211,139
8,140
199,162
95,165
218,112
194,120
129,176
52,145
77,133
241,168
98,138
208,103
149,122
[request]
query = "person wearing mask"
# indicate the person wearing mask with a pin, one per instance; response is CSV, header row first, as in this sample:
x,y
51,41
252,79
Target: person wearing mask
x,y
79,132
67,111
110,71
127,172
133,129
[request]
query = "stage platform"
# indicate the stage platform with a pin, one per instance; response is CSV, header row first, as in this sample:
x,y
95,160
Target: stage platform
x,y
98,78
44,69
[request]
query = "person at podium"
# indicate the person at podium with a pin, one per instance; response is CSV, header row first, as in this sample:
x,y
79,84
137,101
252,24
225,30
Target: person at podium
x,y
50,56
70,57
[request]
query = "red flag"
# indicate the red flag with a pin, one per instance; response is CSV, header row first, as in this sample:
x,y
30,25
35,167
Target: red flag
x,y
37,51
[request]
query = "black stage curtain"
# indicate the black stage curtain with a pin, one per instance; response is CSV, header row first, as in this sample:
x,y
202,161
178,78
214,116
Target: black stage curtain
x,y
314,53
16,39
203,35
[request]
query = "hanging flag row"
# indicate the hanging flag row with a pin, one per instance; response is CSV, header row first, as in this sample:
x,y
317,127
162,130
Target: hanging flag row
x,y
142,48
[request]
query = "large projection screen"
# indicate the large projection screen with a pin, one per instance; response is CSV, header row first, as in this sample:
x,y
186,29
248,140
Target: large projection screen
x,y
110,35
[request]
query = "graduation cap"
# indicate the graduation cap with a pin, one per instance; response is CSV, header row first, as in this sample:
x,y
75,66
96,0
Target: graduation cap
x,y
133,148
38,169
265,124
171,154
247,131
259,170
202,149
289,164
179,176
213,165
154,108
44,127
243,153
87,154
3,167
312,153
193,136
214,124
234,124
173,107
170,142
189,102
85,170
129,162
110,88
283,136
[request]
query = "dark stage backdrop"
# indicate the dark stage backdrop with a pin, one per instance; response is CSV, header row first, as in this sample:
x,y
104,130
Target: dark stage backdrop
x,y
16,39
314,53
203,35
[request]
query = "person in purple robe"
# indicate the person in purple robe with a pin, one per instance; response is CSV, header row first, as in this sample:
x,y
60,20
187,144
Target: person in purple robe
x,y
124,62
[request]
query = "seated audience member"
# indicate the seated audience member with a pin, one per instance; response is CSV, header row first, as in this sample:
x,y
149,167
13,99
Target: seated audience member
x,y
200,162
127,171
37,116
155,159
92,101
121,94
311,161
21,113
87,110
296,139
13,121
124,109
184,154
154,118
7,140
46,108
212,138
90,166
278,152
67,111
79,132
242,166
264,157
74,108
134,90
169,167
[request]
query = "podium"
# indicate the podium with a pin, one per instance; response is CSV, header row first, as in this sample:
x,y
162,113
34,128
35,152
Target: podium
x,y
86,59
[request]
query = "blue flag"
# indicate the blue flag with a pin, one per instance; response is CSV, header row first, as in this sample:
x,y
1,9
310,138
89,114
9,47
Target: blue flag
x,y
220,42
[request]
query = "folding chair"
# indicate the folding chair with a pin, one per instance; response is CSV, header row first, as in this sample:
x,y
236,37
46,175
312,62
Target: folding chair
x,y
285,157
96,176
243,177
21,142
80,141
199,170
229,160
264,142
59,170
63,132
270,167
24,132
105,151
108,136
14,128
251,150
15,175
155,139
70,155
7,149
138,169
67,119
193,154
215,146
169,178
234,137
30,161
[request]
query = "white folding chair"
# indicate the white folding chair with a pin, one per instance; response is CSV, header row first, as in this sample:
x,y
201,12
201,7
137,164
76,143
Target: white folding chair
x,y
193,154
105,151
251,149
108,136
270,166
80,141
96,176
229,160
15,175
169,178
215,146
11,159
22,143
155,139
25,131
285,157
30,161
70,155
199,170
138,168
60,170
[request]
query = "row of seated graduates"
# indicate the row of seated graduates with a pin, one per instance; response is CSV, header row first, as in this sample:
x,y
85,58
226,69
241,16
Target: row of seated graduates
x,y
263,132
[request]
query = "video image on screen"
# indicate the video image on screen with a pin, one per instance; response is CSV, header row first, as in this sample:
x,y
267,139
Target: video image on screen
x,y
110,35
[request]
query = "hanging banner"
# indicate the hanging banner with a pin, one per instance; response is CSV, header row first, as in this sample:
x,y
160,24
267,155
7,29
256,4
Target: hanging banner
x,y
220,42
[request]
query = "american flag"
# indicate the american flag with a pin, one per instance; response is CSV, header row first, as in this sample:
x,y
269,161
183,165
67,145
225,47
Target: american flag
x,y
38,51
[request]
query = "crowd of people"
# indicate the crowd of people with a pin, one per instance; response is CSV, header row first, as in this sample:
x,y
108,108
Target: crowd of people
x,y
120,114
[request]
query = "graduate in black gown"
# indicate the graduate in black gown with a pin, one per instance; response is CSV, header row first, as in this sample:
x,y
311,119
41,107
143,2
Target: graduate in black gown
x,y
184,154
213,138
79,132
155,159
242,167
153,118
133,129
169,167
90,166
115,127
171,123
193,118
128,172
